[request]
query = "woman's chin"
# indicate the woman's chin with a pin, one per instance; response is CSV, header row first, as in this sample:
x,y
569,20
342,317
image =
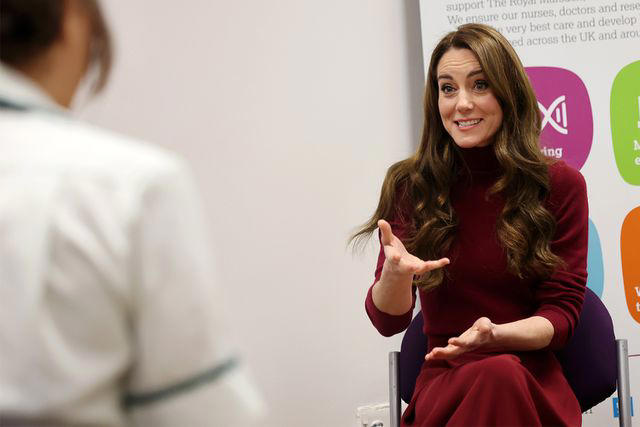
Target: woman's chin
x,y
471,143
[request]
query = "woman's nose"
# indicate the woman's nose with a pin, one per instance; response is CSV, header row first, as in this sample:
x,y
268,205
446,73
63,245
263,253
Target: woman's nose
x,y
465,102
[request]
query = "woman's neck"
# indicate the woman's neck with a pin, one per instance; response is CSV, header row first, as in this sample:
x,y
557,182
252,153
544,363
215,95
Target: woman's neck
x,y
480,159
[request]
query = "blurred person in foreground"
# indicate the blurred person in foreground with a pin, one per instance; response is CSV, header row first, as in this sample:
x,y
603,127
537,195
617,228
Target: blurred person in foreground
x,y
108,309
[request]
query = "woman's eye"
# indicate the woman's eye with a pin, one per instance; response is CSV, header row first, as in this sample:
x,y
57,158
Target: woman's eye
x,y
481,85
447,89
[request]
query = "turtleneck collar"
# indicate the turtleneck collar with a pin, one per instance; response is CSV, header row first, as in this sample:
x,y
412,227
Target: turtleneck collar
x,y
480,159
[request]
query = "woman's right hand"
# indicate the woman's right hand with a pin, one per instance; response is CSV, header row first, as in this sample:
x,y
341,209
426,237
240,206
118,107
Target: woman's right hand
x,y
399,262
392,294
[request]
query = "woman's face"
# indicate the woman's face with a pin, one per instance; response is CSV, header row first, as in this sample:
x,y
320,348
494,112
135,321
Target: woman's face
x,y
470,112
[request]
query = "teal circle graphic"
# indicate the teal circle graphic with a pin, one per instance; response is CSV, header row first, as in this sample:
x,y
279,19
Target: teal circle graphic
x,y
595,266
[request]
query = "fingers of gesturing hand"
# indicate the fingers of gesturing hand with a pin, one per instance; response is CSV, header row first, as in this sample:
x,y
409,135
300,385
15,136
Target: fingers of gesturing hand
x,y
449,352
479,334
427,266
407,263
401,260
386,235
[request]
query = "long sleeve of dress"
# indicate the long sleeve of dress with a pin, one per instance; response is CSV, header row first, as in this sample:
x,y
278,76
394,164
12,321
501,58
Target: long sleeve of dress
x,y
560,297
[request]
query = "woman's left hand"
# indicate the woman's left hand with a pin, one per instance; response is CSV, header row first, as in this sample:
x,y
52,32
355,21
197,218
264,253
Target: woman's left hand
x,y
480,334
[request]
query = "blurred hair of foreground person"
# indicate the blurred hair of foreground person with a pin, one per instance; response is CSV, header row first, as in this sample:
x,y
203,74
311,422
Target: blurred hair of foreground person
x,y
494,237
109,313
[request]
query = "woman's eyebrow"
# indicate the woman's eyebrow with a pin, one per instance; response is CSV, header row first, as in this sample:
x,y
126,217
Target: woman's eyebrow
x,y
472,73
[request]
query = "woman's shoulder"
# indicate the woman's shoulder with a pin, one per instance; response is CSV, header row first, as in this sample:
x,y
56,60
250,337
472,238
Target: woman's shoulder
x,y
568,187
565,178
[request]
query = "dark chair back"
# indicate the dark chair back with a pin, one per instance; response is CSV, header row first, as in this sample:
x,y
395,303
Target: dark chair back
x,y
412,352
588,360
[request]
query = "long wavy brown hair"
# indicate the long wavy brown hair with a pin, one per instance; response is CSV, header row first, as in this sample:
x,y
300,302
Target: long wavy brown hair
x,y
417,189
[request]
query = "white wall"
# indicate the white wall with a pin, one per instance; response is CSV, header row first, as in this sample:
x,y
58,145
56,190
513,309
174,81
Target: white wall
x,y
290,112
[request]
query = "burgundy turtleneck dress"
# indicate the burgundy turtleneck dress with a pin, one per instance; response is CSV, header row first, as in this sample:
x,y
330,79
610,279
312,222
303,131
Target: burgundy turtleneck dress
x,y
507,388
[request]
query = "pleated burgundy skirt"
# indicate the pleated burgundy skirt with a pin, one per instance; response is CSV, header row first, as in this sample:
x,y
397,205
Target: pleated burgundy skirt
x,y
512,389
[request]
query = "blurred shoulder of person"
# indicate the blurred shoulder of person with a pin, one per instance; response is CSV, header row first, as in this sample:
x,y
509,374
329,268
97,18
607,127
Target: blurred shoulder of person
x,y
110,312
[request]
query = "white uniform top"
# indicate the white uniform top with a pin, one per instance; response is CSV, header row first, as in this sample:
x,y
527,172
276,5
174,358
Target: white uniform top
x,y
108,309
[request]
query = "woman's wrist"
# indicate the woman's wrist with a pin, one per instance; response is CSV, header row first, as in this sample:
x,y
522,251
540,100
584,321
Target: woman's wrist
x,y
496,336
395,278
391,295
531,333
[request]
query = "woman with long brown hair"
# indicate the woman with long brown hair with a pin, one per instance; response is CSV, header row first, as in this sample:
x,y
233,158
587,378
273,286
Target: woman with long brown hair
x,y
493,235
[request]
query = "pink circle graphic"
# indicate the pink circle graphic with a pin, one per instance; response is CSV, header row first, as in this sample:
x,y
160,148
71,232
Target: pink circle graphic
x,y
565,108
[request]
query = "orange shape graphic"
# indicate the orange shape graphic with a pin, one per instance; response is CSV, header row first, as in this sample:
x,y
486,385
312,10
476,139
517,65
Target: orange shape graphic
x,y
630,256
